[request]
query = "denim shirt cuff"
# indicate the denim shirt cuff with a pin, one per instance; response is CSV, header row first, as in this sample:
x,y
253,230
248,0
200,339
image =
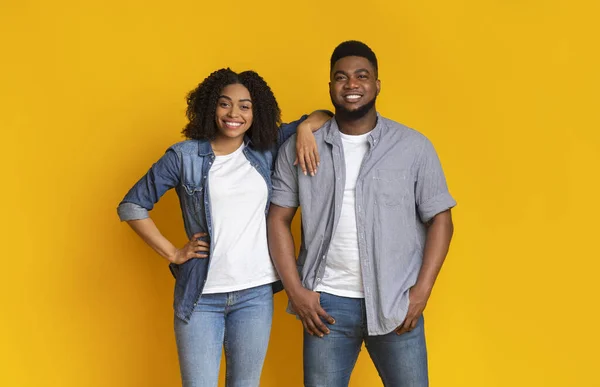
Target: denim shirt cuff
x,y
131,211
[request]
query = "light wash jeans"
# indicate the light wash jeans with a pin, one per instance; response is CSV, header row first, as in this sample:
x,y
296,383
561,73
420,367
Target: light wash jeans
x,y
328,362
238,321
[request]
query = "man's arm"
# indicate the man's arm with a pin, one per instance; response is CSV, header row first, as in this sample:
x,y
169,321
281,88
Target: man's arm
x,y
439,234
281,246
434,204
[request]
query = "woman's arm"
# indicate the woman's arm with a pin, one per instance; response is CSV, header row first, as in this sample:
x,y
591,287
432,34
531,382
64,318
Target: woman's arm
x,y
147,230
141,198
307,153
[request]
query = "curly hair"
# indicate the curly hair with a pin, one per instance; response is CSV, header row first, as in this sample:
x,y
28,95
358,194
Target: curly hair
x,y
202,107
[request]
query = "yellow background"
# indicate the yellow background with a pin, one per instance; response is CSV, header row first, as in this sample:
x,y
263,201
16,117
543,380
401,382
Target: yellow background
x,y
91,93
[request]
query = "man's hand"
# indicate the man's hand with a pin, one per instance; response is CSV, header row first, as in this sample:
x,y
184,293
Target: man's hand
x,y
308,308
417,300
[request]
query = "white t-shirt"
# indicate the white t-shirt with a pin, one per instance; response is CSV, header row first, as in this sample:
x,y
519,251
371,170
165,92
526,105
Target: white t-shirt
x,y
343,276
238,198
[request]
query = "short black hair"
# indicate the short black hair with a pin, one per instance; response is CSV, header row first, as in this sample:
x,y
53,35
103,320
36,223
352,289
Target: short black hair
x,y
202,107
353,48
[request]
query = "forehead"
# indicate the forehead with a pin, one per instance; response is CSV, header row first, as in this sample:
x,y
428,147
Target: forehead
x,y
350,64
236,91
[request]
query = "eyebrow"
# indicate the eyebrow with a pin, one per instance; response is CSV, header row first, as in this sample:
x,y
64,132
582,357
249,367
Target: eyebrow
x,y
355,72
241,100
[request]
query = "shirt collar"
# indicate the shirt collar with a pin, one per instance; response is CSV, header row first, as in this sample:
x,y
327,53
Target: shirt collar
x,y
332,136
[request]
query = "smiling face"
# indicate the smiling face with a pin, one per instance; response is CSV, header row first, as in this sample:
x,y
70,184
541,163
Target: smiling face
x,y
234,111
354,86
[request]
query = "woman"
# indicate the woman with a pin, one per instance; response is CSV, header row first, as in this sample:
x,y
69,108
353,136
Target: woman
x,y
224,275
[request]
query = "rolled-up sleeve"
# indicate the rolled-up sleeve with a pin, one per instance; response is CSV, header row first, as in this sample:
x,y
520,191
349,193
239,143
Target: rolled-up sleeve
x,y
431,190
285,177
161,177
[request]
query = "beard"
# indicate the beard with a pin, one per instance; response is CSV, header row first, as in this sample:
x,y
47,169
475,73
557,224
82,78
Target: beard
x,y
353,115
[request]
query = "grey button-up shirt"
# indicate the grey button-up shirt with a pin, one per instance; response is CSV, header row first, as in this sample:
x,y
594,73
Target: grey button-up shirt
x,y
400,187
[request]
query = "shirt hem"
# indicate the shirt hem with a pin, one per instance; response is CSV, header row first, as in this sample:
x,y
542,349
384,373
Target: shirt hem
x,y
340,293
253,284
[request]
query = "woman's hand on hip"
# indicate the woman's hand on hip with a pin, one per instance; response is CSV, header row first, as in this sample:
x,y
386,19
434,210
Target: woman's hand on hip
x,y
194,248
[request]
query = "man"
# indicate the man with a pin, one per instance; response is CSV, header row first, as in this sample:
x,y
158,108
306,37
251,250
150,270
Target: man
x,y
376,228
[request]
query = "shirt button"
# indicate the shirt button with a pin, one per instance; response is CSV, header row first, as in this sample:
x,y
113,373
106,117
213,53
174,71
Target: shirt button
x,y
318,280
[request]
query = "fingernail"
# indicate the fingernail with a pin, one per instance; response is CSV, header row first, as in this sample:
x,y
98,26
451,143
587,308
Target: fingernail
x,y
312,174
304,173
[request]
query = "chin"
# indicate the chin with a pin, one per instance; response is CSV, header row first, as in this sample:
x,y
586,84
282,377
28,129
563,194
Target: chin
x,y
230,134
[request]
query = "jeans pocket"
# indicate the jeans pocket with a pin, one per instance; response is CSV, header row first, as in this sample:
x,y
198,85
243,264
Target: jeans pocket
x,y
323,300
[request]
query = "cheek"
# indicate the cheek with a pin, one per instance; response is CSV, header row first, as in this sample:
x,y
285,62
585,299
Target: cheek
x,y
249,117
219,113
334,92
373,87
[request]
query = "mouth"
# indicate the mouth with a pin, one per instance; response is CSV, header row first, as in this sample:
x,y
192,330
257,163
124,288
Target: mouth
x,y
232,124
354,97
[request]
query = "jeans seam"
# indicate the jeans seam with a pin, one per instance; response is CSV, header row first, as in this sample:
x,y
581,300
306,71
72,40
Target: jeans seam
x,y
363,319
226,348
375,359
355,359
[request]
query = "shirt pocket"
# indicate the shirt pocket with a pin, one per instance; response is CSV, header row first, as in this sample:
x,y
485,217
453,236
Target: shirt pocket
x,y
194,198
393,187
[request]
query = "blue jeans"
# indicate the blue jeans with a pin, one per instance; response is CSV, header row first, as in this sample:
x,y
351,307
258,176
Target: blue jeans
x,y
238,321
328,362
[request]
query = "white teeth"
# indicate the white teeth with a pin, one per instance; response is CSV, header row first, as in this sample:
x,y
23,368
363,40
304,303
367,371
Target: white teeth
x,y
353,96
234,124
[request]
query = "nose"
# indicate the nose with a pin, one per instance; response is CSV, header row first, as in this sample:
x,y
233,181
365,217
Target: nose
x,y
234,111
351,83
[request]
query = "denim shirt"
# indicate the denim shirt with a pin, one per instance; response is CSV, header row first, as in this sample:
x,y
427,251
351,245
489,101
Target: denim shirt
x,y
185,167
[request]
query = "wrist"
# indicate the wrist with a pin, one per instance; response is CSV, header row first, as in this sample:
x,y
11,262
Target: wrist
x,y
292,291
171,256
305,126
422,288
